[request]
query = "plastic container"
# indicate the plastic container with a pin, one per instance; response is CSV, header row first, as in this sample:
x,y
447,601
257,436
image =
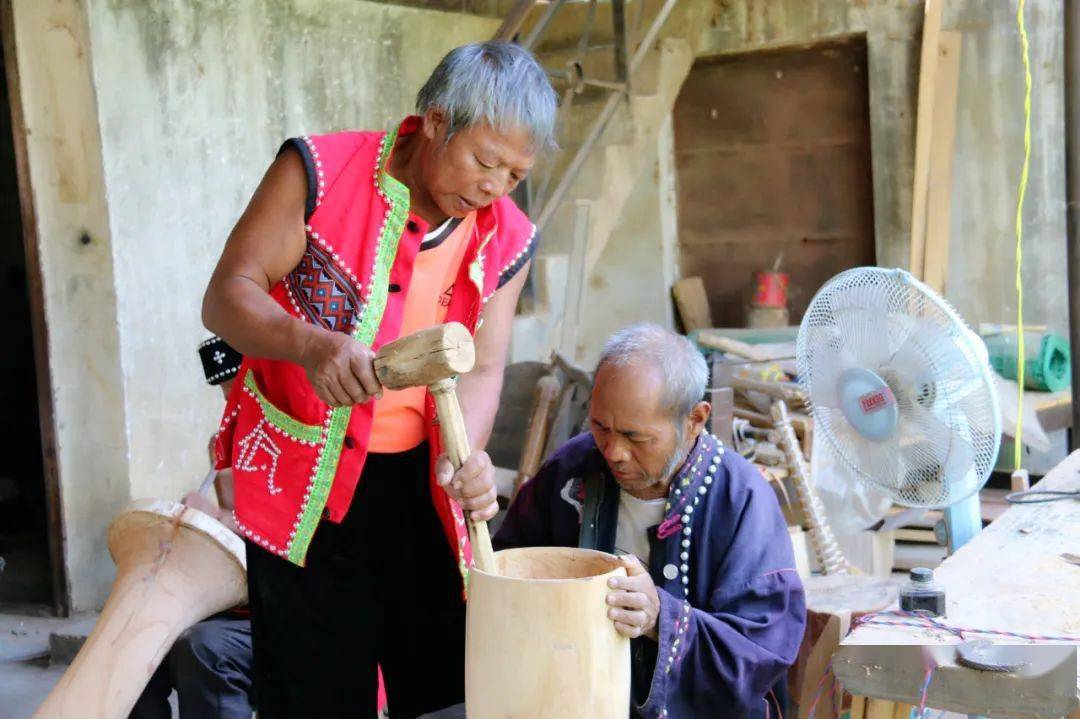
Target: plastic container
x,y
1046,359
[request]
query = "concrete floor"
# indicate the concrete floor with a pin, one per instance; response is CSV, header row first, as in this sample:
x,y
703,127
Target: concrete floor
x,y
26,676
24,685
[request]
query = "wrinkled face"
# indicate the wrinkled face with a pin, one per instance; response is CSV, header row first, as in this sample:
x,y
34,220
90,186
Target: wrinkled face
x,y
637,437
478,166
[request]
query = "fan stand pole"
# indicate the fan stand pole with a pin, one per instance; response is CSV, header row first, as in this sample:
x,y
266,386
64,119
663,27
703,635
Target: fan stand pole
x,y
963,521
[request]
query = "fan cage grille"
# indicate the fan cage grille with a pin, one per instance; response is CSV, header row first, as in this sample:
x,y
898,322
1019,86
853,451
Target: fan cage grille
x,y
949,429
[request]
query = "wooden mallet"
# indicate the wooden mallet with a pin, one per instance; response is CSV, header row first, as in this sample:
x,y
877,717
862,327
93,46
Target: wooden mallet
x,y
433,358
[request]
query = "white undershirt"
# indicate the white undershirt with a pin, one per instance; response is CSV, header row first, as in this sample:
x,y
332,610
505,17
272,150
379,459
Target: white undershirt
x,y
635,517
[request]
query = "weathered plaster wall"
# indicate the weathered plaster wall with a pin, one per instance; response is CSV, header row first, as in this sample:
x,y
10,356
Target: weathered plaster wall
x,y
149,125
988,145
632,281
64,152
195,98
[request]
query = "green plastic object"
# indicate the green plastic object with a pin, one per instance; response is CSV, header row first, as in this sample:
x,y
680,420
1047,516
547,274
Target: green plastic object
x,y
1046,359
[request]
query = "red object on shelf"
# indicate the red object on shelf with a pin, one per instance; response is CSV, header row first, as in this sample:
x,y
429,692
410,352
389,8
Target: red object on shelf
x,y
770,289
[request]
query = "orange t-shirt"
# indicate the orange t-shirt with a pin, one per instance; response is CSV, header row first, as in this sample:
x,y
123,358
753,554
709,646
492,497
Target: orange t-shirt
x,y
398,424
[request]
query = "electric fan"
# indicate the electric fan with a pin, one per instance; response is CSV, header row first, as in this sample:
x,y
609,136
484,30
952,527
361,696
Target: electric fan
x,y
901,391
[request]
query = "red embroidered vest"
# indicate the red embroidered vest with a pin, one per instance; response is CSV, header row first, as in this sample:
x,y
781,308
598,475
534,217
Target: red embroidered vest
x,y
295,460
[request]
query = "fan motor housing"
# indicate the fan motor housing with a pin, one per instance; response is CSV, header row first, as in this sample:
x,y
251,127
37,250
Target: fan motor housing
x,y
868,403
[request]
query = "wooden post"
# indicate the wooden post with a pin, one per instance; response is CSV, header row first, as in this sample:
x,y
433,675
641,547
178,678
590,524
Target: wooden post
x,y
923,132
939,189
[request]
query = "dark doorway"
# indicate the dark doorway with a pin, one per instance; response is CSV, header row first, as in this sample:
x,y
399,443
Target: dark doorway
x,y
773,156
26,559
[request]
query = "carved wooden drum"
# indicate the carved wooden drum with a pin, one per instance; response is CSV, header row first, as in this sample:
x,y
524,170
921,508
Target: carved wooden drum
x,y
175,566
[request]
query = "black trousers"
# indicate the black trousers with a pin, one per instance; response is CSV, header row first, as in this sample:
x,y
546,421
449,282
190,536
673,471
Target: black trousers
x,y
381,588
210,668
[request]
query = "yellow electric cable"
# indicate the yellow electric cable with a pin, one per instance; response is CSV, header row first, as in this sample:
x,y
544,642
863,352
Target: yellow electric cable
x,y
1020,361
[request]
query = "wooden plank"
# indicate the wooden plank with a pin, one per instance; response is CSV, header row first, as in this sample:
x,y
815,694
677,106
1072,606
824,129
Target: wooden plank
x,y
692,303
61,590
926,536
902,711
717,341
1011,577
939,202
924,132
818,663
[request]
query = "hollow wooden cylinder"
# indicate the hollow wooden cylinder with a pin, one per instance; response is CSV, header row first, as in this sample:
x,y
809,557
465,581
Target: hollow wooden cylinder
x,y
175,566
540,644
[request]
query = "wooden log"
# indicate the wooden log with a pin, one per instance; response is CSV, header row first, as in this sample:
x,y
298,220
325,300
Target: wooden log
x,y
539,642
175,566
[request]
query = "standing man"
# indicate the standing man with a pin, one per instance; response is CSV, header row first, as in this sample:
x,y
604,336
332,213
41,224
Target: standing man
x,y
713,605
353,518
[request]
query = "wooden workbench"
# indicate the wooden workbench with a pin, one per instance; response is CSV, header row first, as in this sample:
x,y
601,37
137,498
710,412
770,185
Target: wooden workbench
x,y
1011,577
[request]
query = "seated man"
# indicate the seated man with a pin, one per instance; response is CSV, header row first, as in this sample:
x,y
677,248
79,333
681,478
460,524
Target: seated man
x,y
716,619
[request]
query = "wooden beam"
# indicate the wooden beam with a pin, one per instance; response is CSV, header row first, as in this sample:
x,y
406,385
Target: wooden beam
x,y
939,201
923,132
513,21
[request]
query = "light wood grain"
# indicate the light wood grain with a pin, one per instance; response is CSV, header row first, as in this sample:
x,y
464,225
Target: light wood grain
x,y
924,132
939,185
715,340
424,357
456,445
547,391
175,566
539,643
692,303
1010,577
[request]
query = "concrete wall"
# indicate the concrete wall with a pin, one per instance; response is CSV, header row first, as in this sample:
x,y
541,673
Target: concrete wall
x,y
632,281
192,100
75,245
988,145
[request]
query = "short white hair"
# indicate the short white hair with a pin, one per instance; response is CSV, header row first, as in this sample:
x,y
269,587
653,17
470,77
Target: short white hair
x,y
685,372
499,83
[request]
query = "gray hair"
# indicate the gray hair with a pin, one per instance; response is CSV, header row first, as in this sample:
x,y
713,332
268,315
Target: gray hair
x,y
499,83
686,375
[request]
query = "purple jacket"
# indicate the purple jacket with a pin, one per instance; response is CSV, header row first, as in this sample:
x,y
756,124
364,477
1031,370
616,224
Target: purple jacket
x,y
732,610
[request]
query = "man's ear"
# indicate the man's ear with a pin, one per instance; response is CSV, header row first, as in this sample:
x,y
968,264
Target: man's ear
x,y
698,416
434,124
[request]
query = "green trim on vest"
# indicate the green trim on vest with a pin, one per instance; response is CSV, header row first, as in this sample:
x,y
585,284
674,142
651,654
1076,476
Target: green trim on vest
x,y
397,197
293,428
